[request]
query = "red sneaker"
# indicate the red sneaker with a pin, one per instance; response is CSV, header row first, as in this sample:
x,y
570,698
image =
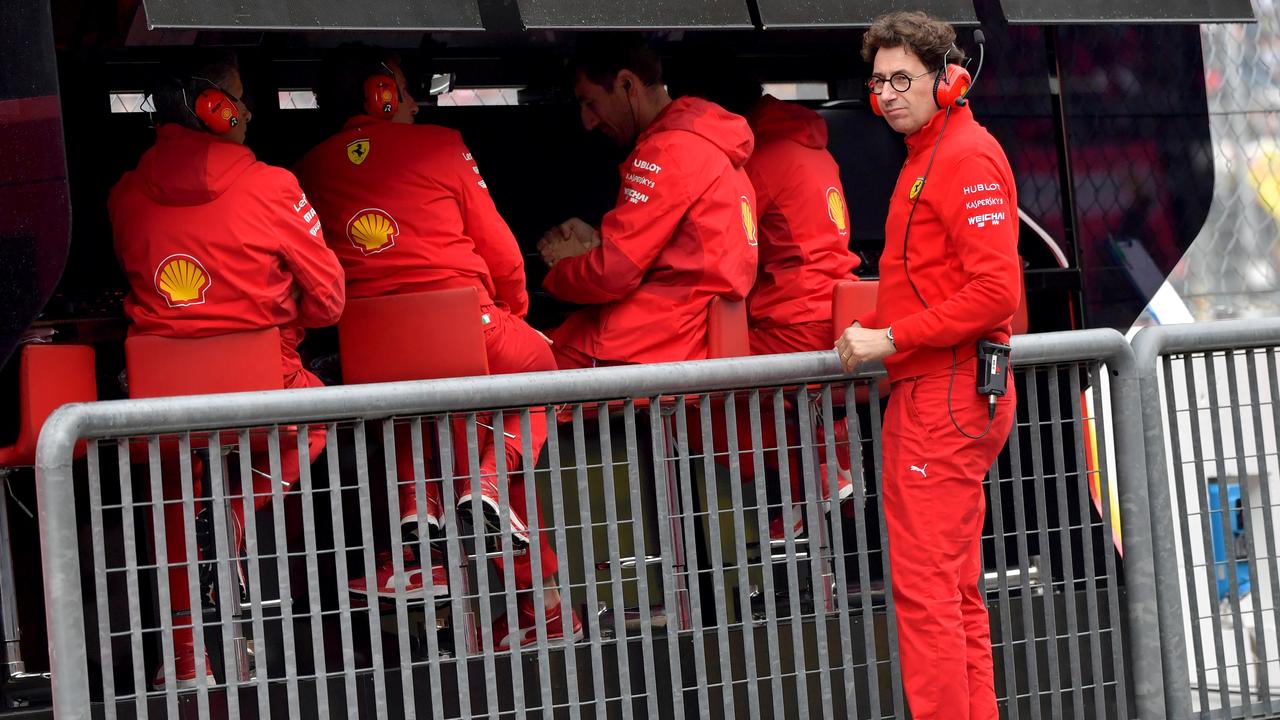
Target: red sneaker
x,y
388,585
777,528
490,509
527,631
844,475
185,671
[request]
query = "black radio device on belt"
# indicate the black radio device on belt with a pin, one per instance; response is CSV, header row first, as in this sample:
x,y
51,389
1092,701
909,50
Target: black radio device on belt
x,y
993,372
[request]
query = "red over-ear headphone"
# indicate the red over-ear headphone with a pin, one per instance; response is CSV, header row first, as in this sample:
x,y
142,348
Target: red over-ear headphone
x,y
216,110
945,92
381,96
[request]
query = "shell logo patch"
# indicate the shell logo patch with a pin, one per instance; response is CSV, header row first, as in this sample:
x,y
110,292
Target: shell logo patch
x,y
836,211
916,187
358,150
372,230
226,113
181,280
749,222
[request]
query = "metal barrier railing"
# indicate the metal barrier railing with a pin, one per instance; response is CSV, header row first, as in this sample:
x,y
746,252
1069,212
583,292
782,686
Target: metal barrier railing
x,y
657,510
1211,405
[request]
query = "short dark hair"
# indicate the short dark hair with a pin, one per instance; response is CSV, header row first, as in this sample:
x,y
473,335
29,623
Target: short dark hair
x,y
717,75
932,40
601,56
340,87
181,84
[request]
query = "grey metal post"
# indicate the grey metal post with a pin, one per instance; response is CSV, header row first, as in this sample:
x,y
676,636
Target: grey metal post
x,y
1141,602
60,555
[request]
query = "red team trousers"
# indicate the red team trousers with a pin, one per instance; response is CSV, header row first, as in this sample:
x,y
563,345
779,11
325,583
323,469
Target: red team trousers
x,y
933,507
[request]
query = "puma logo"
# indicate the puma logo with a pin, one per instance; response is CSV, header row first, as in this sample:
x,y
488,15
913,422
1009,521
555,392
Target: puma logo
x,y
920,469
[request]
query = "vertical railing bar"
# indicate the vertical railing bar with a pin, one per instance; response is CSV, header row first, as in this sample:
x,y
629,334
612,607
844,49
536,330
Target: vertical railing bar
x,y
721,596
818,549
795,606
1046,559
1008,645
615,570
370,570
534,521
742,566
857,468
1024,560
766,554
253,557
282,570
218,494
1064,538
463,631
558,520
1118,650
891,622
426,559
693,564
639,551
1087,525
193,573
600,696
504,475
484,596
668,525
336,490
835,509
102,612
1251,556
391,482
1224,512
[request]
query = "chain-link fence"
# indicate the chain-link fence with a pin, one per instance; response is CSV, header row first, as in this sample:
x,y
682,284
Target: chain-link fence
x,y
1233,267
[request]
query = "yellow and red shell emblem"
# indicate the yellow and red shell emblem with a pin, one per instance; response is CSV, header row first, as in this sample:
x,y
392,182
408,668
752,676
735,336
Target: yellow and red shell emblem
x,y
836,211
749,222
372,230
226,113
181,280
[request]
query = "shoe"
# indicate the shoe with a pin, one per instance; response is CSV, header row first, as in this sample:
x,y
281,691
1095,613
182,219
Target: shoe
x,y
489,507
777,528
844,475
184,670
527,631
410,534
388,585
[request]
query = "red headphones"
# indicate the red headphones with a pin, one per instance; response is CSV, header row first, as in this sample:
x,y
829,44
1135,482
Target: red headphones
x,y
381,95
216,109
946,92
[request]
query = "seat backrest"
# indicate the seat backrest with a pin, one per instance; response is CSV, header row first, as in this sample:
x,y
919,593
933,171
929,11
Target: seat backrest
x,y
49,376
727,328
235,362
415,336
850,299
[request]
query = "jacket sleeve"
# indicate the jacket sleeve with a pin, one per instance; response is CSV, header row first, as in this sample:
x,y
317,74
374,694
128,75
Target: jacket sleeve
x,y
982,226
314,267
493,240
654,198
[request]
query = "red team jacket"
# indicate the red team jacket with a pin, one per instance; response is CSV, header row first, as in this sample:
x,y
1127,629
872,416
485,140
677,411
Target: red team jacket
x,y
962,252
683,231
213,242
804,222
405,209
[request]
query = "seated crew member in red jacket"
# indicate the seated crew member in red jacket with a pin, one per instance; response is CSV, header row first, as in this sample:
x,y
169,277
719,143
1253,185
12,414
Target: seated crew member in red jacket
x,y
214,242
406,210
949,279
804,241
684,227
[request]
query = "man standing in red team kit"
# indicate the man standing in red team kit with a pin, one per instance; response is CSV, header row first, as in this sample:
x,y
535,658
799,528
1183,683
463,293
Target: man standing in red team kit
x,y
948,288
684,227
406,210
214,242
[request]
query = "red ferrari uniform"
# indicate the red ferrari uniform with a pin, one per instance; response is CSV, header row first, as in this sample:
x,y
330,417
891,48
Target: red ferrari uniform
x,y
406,210
804,229
683,231
213,242
962,257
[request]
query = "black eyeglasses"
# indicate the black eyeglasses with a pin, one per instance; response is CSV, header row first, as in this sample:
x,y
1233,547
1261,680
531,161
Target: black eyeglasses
x,y
899,81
